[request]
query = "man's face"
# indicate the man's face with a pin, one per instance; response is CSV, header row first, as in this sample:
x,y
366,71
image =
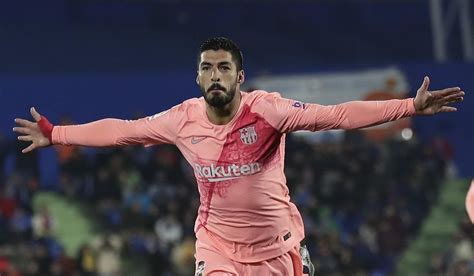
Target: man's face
x,y
218,77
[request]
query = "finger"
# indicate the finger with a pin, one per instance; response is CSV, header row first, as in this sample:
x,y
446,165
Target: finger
x,y
35,114
29,148
447,91
25,138
24,123
455,100
453,96
426,83
22,130
447,109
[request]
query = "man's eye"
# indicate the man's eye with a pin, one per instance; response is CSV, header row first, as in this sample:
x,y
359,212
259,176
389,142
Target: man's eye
x,y
226,68
205,68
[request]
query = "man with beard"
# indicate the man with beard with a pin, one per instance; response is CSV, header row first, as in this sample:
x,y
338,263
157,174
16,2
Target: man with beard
x,y
235,142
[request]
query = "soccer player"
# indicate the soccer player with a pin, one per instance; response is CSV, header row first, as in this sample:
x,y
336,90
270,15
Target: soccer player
x,y
235,142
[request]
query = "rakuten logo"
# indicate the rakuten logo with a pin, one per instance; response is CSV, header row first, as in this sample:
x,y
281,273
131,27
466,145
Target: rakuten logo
x,y
221,173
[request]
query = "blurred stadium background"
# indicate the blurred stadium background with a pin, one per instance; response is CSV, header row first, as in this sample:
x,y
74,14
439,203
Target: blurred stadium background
x,y
385,201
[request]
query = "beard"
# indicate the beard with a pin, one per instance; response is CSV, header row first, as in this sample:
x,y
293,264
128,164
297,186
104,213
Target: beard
x,y
219,99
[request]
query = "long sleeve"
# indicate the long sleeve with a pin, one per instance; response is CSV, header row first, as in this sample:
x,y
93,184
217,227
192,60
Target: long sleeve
x,y
289,115
157,129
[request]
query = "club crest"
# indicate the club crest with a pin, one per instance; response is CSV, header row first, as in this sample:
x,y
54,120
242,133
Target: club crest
x,y
248,135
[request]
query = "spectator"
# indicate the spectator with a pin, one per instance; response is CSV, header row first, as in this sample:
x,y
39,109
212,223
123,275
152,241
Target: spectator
x,y
86,261
44,224
108,260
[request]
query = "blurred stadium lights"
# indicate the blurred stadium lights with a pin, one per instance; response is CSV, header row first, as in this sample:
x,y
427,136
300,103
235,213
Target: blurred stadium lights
x,y
442,22
407,134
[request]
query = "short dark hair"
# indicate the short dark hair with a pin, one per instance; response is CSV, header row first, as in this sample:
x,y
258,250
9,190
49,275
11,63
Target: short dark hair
x,y
223,43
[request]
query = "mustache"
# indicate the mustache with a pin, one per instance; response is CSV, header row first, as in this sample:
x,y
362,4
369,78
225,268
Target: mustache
x,y
216,86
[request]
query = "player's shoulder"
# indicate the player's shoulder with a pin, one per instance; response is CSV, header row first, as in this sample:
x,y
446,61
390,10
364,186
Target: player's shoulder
x,y
259,96
188,105
191,109
181,111
191,104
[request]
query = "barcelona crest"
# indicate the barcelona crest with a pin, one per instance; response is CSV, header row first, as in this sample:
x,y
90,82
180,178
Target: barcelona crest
x,y
248,135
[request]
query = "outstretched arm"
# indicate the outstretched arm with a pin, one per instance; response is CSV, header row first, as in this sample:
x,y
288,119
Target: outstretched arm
x,y
289,115
363,114
102,133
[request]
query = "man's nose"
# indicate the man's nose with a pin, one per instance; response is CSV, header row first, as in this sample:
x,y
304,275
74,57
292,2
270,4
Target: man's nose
x,y
215,76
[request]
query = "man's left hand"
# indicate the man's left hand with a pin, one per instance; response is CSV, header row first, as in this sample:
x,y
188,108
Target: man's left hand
x,y
432,102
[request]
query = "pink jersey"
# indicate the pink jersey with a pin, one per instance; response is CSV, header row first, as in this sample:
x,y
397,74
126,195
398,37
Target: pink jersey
x,y
245,208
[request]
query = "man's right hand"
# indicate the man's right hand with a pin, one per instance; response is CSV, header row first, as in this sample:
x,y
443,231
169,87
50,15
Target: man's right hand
x,y
31,131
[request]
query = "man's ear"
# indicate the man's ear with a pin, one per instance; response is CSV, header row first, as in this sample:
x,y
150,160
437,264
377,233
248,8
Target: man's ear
x,y
241,77
197,80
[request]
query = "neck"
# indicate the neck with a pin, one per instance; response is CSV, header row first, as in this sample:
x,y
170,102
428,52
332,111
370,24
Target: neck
x,y
223,115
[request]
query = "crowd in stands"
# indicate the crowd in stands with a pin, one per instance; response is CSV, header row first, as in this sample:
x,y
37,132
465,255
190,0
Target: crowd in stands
x,y
457,259
361,203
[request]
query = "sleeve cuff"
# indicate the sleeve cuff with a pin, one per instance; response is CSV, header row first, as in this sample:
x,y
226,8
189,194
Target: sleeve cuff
x,y
411,106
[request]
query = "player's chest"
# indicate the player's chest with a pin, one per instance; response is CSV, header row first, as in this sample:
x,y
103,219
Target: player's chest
x,y
243,141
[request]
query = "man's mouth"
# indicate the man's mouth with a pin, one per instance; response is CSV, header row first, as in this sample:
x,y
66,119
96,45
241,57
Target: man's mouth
x,y
216,88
